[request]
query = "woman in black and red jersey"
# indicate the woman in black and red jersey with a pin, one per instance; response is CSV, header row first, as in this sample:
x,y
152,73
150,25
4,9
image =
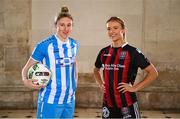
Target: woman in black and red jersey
x,y
120,62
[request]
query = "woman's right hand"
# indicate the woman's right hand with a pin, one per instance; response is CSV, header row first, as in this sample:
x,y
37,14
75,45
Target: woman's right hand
x,y
29,83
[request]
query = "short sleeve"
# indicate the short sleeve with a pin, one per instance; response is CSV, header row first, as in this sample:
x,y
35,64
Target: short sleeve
x,y
140,60
98,62
38,53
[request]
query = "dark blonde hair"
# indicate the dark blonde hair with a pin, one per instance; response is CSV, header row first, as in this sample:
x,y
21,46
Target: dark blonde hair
x,y
120,21
64,13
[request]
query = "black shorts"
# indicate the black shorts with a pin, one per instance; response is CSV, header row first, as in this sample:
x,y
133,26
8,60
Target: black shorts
x,y
124,112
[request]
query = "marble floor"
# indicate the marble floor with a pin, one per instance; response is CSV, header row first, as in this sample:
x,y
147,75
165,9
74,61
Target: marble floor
x,y
89,113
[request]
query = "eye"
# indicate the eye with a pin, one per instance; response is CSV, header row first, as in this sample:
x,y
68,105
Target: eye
x,y
69,25
62,24
116,27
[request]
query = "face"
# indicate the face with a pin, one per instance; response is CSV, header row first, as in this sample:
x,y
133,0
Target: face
x,y
64,27
115,31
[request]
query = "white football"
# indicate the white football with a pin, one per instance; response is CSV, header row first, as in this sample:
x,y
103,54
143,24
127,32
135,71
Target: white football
x,y
40,73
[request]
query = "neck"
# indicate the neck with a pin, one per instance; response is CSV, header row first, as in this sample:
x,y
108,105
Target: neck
x,y
61,39
118,43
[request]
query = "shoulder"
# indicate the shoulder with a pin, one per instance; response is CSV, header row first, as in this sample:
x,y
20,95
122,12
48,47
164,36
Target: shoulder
x,y
72,40
73,43
132,49
105,48
47,41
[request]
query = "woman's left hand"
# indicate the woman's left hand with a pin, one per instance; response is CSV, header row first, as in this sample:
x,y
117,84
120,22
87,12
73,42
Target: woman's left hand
x,y
124,87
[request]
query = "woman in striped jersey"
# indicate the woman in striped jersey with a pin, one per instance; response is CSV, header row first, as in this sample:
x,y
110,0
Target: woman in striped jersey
x,y
58,52
120,62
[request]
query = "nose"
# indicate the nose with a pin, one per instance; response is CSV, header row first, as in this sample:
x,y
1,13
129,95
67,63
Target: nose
x,y
111,31
65,27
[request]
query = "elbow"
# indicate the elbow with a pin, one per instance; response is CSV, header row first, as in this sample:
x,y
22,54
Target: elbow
x,y
22,72
155,74
95,70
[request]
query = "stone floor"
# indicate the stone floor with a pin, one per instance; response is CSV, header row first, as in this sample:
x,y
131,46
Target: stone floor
x,y
89,113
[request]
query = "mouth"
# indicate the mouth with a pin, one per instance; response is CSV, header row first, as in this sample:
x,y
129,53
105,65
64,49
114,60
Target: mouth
x,y
66,33
112,36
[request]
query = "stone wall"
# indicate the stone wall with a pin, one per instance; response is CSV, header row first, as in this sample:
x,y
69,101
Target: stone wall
x,y
153,26
161,44
15,24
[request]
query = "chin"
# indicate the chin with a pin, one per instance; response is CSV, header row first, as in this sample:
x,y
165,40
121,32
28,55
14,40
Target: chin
x,y
65,37
115,40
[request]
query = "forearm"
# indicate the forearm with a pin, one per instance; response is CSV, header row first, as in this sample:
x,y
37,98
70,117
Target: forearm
x,y
24,74
98,77
145,82
25,69
151,76
29,83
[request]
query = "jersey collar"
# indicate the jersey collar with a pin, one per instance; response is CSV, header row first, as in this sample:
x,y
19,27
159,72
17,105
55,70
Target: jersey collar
x,y
60,41
122,45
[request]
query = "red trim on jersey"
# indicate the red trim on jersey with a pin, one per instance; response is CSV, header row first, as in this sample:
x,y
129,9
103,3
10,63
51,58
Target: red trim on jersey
x,y
124,78
116,92
106,79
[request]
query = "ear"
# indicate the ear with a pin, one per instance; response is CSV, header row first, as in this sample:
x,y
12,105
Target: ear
x,y
123,31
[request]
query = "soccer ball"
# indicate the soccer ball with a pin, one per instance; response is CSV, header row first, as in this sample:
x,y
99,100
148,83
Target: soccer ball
x,y
39,72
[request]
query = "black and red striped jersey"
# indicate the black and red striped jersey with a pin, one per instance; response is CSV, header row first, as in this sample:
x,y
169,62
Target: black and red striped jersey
x,y
120,65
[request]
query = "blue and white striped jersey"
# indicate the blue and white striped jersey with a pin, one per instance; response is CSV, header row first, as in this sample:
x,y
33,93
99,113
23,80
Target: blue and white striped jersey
x,y
60,57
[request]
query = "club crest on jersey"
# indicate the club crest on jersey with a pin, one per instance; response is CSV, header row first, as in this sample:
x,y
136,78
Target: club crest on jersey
x,y
123,55
105,112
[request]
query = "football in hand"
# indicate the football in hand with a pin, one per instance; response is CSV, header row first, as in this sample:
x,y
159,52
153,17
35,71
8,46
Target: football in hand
x,y
39,74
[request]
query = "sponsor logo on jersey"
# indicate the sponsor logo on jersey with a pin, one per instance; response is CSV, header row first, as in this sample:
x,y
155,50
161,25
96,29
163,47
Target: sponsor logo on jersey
x,y
65,61
112,66
107,55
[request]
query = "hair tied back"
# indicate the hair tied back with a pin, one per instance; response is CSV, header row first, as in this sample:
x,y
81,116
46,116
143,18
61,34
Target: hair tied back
x,y
64,9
